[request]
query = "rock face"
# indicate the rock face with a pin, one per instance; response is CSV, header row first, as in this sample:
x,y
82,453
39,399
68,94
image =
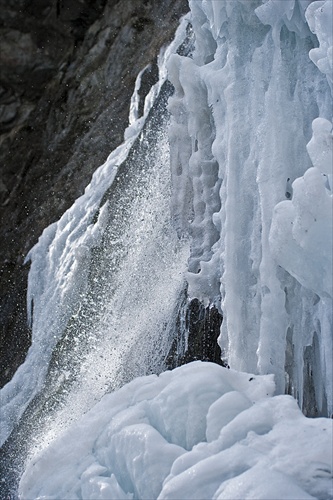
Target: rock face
x,y
67,71
197,330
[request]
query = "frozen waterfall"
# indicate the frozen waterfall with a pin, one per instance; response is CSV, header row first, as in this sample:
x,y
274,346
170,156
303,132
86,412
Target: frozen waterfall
x,y
253,185
242,221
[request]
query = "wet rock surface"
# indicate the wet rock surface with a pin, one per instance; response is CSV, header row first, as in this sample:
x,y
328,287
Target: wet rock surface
x,y
67,72
197,331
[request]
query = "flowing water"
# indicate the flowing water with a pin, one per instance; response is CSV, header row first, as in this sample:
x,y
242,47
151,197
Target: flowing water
x,y
123,320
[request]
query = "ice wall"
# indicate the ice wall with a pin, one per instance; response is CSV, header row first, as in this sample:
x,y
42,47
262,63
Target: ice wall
x,y
251,152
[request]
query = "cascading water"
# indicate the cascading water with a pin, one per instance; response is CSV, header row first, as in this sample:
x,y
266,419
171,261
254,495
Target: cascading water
x,y
123,327
105,285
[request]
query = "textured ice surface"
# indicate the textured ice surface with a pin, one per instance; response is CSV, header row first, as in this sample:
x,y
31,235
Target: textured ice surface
x,y
251,142
199,431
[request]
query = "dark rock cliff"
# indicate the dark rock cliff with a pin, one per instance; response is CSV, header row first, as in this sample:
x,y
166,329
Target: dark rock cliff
x,y
67,71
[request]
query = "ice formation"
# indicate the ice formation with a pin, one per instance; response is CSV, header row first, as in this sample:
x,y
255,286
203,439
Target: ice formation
x,y
250,140
199,431
253,184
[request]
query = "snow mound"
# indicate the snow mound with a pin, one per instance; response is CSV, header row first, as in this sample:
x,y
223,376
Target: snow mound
x,y
199,431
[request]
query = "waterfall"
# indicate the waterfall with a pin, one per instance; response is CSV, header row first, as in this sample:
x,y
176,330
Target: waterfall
x,y
240,226
106,280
